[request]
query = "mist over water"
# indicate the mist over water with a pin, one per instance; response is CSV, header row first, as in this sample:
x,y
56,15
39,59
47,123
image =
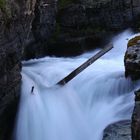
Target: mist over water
x,y
83,108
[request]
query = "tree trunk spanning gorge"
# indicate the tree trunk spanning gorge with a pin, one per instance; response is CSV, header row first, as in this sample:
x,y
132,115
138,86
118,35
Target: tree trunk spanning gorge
x,y
82,67
26,27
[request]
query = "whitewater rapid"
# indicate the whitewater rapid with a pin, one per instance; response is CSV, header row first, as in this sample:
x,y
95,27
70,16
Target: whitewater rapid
x,y
83,108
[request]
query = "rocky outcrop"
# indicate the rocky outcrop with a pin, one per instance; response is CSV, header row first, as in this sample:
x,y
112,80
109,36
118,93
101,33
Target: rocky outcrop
x,y
136,118
86,24
118,131
132,59
132,69
15,26
42,27
24,26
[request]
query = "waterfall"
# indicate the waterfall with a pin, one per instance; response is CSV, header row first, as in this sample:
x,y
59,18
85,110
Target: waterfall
x,y
83,108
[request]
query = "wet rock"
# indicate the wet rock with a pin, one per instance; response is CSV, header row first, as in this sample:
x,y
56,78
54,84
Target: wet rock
x,y
15,26
42,27
132,69
97,19
118,131
136,118
132,59
73,46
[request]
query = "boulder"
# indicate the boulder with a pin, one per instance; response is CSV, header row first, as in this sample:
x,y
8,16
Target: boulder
x,y
118,131
132,59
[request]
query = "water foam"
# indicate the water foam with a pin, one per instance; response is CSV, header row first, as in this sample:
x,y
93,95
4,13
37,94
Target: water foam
x,y
83,108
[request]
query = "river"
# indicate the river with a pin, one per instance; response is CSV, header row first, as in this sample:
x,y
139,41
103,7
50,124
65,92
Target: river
x,y
81,109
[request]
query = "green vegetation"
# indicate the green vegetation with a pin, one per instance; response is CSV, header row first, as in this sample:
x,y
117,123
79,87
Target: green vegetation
x,y
56,33
2,4
64,3
4,8
133,41
6,12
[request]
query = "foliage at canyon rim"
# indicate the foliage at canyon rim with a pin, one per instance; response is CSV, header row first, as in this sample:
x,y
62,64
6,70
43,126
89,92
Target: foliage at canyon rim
x,y
133,41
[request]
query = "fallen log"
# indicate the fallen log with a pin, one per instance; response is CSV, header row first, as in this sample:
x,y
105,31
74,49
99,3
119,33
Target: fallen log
x,y
85,65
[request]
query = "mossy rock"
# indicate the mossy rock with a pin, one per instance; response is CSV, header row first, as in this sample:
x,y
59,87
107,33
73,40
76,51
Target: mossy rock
x,y
133,41
2,4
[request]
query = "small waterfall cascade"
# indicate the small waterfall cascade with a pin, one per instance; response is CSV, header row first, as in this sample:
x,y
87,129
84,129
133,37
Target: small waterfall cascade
x,y
83,108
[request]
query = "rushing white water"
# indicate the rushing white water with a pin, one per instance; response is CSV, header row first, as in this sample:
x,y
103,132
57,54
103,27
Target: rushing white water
x,y
82,109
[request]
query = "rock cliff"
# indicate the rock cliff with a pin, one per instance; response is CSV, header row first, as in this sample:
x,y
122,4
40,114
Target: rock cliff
x,y
132,69
136,118
24,25
15,25
132,59
86,24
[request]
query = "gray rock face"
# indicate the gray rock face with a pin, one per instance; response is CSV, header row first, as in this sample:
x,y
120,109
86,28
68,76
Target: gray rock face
x,y
24,26
132,69
132,59
109,14
77,21
118,131
136,118
15,19
43,26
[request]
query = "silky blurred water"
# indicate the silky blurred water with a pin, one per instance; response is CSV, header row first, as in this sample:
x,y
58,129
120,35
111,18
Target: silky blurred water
x,y
83,108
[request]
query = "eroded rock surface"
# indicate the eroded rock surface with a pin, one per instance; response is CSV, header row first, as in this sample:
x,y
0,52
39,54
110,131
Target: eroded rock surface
x,y
87,24
118,131
15,26
132,59
132,69
136,118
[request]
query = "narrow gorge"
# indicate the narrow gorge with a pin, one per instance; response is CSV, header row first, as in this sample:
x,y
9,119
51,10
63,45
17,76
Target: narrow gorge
x,y
64,28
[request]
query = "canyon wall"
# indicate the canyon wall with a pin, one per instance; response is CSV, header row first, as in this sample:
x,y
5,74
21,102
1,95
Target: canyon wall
x,y
15,25
86,24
